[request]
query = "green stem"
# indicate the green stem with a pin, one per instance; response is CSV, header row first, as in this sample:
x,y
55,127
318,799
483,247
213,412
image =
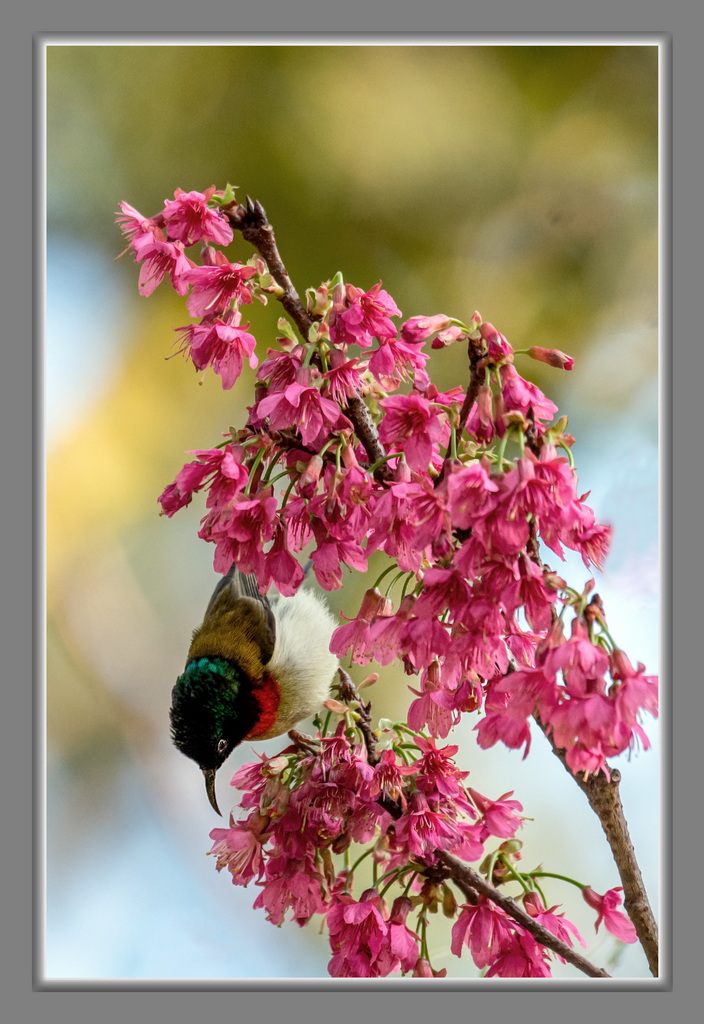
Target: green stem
x,y
359,860
516,874
253,471
380,462
568,451
288,492
501,450
386,572
394,581
552,874
409,579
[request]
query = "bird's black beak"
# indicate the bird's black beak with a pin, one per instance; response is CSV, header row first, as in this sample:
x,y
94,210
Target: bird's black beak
x,y
209,775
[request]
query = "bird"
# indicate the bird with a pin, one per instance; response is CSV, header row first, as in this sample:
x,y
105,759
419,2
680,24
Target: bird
x,y
255,668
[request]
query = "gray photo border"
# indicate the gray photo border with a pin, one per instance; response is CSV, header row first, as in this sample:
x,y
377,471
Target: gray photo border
x,y
23,541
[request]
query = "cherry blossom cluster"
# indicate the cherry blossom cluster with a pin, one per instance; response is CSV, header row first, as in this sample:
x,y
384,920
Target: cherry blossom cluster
x,y
349,449
302,811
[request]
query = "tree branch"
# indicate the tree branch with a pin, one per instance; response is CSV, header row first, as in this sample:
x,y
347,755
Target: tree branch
x,y
253,223
469,877
467,880
605,800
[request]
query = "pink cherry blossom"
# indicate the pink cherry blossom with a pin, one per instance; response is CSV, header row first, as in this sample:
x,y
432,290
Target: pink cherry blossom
x,y
500,817
357,927
555,923
330,555
355,635
245,529
522,958
222,468
364,316
443,590
615,921
520,395
280,369
293,885
485,929
159,258
189,219
511,731
279,566
216,286
219,342
403,943
396,360
582,662
584,534
470,494
301,406
343,380
497,347
412,424
422,830
435,707
239,848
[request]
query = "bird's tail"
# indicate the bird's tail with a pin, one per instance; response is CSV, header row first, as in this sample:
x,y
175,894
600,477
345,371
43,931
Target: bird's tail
x,y
242,584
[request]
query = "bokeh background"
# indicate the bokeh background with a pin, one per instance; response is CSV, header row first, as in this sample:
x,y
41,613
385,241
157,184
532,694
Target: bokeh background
x,y
518,180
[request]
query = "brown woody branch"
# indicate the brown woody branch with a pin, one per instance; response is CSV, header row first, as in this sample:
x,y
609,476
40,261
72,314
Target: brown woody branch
x,y
472,878
605,800
256,229
467,880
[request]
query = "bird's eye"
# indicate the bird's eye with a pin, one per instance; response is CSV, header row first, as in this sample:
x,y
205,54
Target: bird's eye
x,y
222,746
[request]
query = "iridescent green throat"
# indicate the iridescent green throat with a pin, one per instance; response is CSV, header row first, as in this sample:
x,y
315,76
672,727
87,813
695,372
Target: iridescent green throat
x,y
211,702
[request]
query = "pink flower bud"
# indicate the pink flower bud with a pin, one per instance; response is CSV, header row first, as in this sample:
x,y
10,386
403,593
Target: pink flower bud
x,y
423,969
497,346
551,356
311,473
207,256
418,328
400,909
334,705
445,338
380,853
533,904
620,663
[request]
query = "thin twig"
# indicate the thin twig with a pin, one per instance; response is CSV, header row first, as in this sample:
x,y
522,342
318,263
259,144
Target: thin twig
x,y
468,881
348,693
602,791
546,938
605,800
253,223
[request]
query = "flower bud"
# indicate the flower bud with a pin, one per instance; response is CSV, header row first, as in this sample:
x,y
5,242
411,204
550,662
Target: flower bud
x,y
310,473
533,904
400,909
418,328
423,969
448,337
449,903
551,356
380,853
620,663
497,346
207,256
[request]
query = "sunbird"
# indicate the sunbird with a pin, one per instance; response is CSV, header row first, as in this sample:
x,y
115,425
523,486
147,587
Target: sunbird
x,y
255,669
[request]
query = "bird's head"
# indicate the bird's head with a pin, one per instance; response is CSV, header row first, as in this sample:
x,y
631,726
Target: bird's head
x,y
212,710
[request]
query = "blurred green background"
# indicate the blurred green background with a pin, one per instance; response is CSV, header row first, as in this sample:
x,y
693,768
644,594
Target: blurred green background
x,y
521,181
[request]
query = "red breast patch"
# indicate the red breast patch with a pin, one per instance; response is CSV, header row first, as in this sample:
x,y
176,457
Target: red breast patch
x,y
266,693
